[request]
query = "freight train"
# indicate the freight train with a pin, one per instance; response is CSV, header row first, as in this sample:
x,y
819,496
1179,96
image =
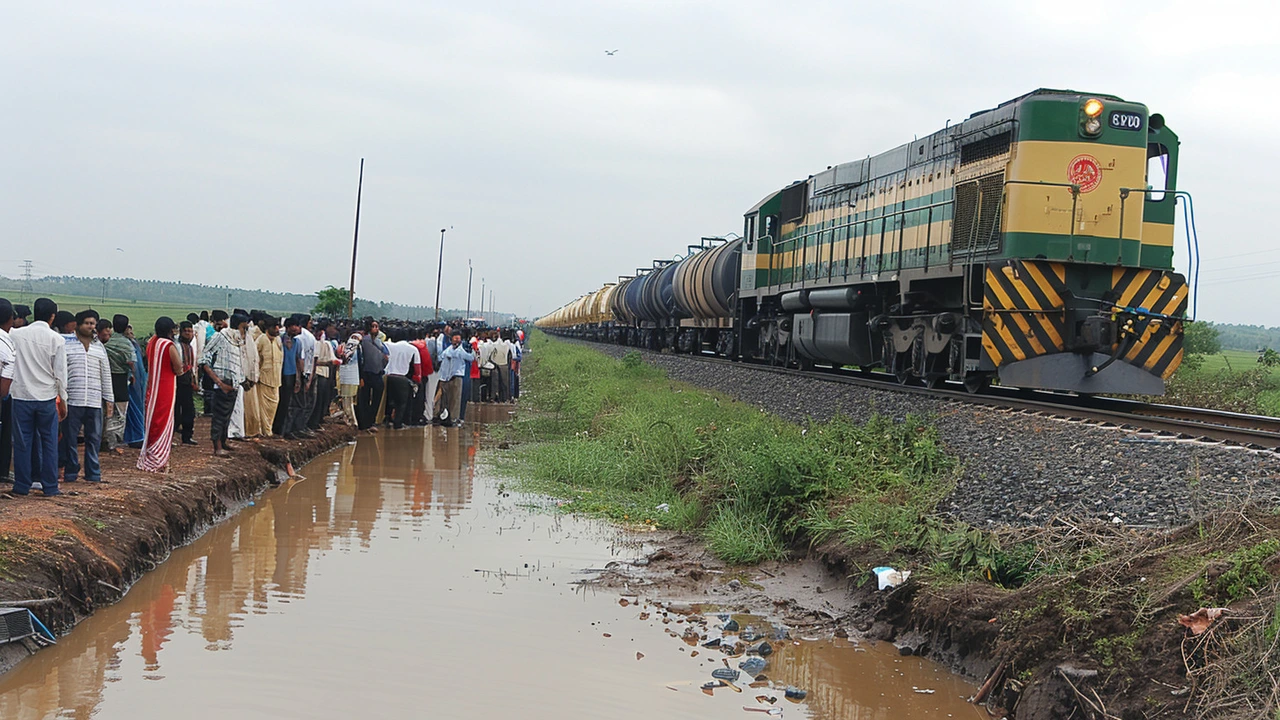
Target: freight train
x,y
1032,242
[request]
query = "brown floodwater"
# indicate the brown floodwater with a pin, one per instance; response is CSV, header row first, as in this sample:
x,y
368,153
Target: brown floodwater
x,y
399,580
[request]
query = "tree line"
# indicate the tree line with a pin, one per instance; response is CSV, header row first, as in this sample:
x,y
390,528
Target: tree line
x,y
214,296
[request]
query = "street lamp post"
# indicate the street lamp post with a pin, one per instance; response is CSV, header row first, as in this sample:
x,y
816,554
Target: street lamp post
x,y
482,315
439,272
470,271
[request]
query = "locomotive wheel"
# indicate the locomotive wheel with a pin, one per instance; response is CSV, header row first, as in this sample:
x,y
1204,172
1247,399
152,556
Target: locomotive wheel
x,y
977,382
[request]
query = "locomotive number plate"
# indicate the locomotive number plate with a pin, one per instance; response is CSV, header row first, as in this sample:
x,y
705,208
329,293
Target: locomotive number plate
x,y
1125,120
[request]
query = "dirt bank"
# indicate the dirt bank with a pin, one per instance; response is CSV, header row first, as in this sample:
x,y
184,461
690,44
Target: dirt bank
x,y
65,556
1109,646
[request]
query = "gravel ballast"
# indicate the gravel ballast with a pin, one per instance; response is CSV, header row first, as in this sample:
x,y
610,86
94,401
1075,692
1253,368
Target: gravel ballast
x,y
1017,469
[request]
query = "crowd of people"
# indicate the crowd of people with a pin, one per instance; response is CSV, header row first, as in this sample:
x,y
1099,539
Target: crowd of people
x,y
68,381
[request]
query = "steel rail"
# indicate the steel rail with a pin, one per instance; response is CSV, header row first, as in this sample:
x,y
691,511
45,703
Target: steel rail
x,y
1172,422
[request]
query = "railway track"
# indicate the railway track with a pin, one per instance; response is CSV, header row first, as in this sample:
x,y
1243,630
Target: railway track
x,y
1153,421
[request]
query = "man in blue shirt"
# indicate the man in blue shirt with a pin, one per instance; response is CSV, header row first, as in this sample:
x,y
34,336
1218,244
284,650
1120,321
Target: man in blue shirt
x,y
453,365
288,372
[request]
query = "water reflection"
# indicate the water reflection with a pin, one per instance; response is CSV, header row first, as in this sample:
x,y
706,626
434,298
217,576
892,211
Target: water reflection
x,y
255,563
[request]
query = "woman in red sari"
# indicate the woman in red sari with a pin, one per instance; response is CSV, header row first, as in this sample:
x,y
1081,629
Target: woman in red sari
x,y
164,362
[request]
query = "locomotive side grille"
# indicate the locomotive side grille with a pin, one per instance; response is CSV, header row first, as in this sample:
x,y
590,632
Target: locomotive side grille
x,y
986,148
976,223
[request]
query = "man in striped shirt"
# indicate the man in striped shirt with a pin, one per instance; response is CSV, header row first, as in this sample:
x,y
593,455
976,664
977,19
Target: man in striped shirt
x,y
88,389
221,364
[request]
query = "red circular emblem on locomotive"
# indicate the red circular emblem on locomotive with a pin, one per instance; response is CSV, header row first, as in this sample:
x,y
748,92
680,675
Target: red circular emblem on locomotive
x,y
1084,170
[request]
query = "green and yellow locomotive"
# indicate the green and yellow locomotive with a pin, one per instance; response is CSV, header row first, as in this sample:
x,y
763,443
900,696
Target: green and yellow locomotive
x,y
1032,242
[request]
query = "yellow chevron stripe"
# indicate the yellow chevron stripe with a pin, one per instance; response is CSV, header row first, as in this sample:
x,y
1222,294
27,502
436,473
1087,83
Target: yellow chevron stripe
x,y
1036,271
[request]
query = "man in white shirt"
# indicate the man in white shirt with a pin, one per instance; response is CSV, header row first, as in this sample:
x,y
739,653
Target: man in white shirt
x,y
197,336
500,356
7,315
88,387
487,381
39,392
403,371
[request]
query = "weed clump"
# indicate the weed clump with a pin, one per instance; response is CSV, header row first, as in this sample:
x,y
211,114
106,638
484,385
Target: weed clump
x,y
617,439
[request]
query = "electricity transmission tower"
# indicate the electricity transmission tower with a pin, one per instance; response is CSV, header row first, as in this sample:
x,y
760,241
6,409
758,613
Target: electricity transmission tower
x,y
26,277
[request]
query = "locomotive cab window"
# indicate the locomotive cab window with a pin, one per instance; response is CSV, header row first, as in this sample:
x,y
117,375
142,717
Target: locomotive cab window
x,y
1157,171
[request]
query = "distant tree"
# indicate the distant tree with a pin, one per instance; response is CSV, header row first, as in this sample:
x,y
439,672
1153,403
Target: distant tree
x,y
331,302
1269,358
1201,338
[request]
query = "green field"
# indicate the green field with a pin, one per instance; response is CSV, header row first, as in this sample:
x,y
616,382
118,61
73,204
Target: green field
x,y
1233,360
142,314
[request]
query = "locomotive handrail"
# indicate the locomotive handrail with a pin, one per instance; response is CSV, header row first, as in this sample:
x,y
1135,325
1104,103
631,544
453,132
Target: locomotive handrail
x,y
1188,221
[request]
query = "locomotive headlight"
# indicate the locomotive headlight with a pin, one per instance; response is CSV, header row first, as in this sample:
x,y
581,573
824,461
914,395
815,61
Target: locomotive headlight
x,y
1093,126
1093,107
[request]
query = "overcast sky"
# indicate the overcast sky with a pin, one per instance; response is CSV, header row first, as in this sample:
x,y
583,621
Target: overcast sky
x,y
219,142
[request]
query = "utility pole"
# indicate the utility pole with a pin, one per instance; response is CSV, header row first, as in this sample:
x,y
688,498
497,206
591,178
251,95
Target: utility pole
x,y
482,315
355,242
470,271
491,310
439,272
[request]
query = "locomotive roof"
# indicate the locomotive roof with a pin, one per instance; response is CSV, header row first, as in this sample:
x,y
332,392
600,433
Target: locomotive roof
x,y
979,125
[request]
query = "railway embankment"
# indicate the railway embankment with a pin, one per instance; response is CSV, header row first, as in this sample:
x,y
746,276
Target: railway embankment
x,y
1061,564
64,557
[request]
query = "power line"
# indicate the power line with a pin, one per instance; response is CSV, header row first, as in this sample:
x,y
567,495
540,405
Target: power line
x,y
1242,278
1241,267
1246,254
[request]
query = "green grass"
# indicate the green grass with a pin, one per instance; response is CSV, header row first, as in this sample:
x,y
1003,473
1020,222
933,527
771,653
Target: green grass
x,y
142,314
618,439
1235,360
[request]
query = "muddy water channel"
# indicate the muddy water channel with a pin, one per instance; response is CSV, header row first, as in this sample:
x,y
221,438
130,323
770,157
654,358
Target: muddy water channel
x,y
397,580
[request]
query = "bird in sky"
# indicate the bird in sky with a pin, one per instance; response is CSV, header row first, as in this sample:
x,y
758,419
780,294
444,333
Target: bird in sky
x,y
610,52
